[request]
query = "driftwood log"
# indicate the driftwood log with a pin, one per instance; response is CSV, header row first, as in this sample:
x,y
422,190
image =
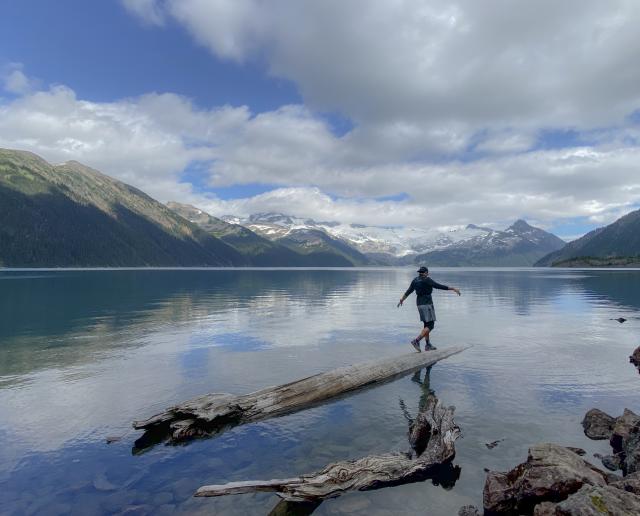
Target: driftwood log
x,y
434,424
211,414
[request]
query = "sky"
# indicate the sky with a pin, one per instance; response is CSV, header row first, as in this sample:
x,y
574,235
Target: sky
x,y
425,113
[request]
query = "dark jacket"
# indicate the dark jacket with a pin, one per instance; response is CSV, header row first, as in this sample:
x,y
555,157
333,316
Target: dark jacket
x,y
423,288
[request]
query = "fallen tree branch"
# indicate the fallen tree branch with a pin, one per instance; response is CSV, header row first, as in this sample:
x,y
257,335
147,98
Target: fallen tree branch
x,y
212,414
366,473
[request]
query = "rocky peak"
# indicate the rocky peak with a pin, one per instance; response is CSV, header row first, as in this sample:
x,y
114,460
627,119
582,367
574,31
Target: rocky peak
x,y
480,228
521,226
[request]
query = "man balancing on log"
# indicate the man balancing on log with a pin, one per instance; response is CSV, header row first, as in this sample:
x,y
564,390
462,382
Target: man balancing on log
x,y
423,286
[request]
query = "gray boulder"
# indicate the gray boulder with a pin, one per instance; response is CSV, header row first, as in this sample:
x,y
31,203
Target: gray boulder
x,y
468,510
594,501
551,473
630,483
625,441
598,424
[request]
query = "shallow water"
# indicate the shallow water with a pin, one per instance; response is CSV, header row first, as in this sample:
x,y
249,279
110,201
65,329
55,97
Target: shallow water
x,y
83,353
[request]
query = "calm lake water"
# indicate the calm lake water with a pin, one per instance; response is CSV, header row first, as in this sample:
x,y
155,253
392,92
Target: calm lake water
x,y
83,353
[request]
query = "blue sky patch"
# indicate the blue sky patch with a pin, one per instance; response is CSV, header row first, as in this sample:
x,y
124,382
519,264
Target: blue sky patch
x,y
559,139
197,174
399,197
103,53
574,227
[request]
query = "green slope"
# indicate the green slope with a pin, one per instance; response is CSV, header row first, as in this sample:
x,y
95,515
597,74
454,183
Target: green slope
x,y
323,249
72,216
258,250
309,248
617,240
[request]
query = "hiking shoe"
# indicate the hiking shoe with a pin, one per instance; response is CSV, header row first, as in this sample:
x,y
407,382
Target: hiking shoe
x,y
429,347
416,345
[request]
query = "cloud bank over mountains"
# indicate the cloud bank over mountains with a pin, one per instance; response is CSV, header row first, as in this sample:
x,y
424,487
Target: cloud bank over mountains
x,y
459,112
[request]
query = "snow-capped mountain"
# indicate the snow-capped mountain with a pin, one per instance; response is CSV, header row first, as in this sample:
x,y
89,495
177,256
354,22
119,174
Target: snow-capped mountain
x,y
303,247
372,240
518,245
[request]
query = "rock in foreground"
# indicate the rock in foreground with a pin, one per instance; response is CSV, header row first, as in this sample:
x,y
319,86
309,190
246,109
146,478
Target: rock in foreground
x,y
625,441
623,434
598,424
635,358
593,501
551,473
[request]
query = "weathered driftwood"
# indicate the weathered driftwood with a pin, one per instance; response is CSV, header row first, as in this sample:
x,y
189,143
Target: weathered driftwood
x,y
211,414
434,421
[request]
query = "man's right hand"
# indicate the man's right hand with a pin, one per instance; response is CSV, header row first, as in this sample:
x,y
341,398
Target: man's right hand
x,y
399,304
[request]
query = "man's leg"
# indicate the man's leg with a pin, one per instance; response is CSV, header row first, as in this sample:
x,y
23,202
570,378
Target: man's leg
x,y
428,345
424,334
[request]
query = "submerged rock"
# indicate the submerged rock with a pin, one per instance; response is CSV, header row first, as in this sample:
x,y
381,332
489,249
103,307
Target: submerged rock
x,y
593,501
551,473
611,462
468,510
598,424
102,483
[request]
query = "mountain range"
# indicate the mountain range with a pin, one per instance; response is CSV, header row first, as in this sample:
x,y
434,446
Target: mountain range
x,y
619,240
518,245
306,248
70,215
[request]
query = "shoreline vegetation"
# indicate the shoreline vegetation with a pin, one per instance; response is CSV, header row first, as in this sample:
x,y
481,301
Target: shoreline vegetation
x,y
595,261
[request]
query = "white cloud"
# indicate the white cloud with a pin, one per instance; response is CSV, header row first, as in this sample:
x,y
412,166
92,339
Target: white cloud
x,y
15,81
492,64
148,141
506,141
424,83
231,28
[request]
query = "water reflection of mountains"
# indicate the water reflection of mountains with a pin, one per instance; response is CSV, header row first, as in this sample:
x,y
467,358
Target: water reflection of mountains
x,y
525,290
81,313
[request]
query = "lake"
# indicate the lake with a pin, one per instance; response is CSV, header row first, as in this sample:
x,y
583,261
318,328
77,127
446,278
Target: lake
x,y
84,353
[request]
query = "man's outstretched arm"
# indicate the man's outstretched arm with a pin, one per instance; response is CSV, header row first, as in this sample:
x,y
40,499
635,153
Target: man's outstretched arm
x,y
437,285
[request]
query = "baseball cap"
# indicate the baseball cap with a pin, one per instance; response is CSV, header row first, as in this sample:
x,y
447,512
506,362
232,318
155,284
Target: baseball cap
x,y
423,269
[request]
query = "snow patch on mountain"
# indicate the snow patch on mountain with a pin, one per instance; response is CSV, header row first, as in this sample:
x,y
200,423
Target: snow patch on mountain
x,y
396,241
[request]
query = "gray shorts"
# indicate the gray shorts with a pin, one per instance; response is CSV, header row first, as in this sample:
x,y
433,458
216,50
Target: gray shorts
x,y
427,313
